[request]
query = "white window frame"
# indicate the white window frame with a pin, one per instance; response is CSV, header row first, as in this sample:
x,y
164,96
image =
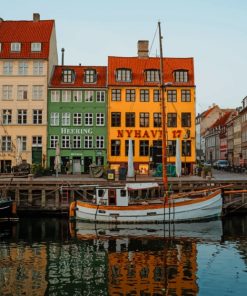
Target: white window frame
x,y
65,141
89,96
88,142
7,92
100,96
36,141
66,118
23,142
37,116
66,96
54,139
15,46
22,92
23,68
88,119
22,115
100,142
77,119
37,92
8,68
54,119
100,119
7,116
77,96
38,67
76,142
36,46
55,96
6,143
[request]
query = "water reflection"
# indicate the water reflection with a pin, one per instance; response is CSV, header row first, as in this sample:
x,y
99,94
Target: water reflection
x,y
51,257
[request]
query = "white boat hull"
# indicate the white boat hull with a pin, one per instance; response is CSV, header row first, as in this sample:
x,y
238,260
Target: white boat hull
x,y
183,210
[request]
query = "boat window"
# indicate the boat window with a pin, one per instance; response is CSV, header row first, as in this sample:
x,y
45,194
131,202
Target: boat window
x,y
100,192
122,193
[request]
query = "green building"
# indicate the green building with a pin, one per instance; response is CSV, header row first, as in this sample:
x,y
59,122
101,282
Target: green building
x,y
77,113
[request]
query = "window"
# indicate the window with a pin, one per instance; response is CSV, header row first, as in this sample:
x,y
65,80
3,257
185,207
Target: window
x,y
90,76
130,119
186,148
23,142
171,96
6,143
38,68
66,96
66,141
22,116
100,96
171,148
186,119
68,76
77,119
127,147
152,75
7,116
157,119
37,92
130,95
100,142
88,119
7,92
144,148
36,46
88,142
171,119
123,75
144,95
7,68
77,96
156,95
116,95
76,142
37,141
65,118
181,76
22,92
55,96
100,119
88,96
53,141
37,116
115,119
115,147
16,46
144,119
185,95
54,118
23,68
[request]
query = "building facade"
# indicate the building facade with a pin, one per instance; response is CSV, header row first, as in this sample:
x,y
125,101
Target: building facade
x,y
77,116
28,52
243,113
134,109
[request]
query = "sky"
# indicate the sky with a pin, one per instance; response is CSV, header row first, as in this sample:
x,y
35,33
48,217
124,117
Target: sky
x,y
213,32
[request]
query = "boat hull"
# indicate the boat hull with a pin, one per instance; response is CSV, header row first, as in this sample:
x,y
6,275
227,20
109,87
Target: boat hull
x,y
6,208
184,210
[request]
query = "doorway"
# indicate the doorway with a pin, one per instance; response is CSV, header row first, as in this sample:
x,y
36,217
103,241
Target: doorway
x,y
87,161
76,165
37,155
112,197
100,160
6,166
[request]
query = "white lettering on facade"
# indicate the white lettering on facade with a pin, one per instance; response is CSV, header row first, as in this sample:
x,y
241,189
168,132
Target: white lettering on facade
x,y
76,131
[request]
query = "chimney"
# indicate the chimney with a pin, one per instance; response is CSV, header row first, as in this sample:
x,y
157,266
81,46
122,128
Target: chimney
x,y
142,47
62,56
36,17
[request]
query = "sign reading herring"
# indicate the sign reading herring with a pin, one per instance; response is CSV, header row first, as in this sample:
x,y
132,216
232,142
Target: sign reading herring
x,y
76,131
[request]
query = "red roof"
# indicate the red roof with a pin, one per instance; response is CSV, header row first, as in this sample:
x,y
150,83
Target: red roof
x,y
56,80
25,32
222,120
139,65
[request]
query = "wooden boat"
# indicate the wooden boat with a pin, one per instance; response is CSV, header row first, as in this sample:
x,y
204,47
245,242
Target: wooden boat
x,y
115,205
7,209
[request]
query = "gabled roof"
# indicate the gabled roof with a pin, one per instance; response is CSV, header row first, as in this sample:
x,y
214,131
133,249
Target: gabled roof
x,y
56,79
221,121
25,32
139,65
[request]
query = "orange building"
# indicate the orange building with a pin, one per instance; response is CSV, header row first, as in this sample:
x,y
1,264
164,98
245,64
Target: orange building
x,y
134,109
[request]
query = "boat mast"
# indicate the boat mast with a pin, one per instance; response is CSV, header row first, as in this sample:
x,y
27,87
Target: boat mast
x,y
163,113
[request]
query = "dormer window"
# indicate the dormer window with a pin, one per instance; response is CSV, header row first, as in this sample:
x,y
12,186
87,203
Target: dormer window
x,y
181,75
36,46
152,75
90,76
16,46
68,76
123,75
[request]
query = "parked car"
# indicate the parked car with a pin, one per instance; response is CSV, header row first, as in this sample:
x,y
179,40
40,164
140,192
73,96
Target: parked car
x,y
221,164
207,164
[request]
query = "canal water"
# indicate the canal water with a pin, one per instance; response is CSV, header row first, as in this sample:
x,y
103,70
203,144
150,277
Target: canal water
x,y
52,257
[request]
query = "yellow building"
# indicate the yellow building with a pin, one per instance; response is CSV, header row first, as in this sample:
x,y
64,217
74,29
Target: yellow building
x,y
28,53
134,109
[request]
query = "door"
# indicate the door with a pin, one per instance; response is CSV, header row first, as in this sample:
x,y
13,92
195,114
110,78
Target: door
x,y
37,155
100,160
87,161
112,197
76,165
6,166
